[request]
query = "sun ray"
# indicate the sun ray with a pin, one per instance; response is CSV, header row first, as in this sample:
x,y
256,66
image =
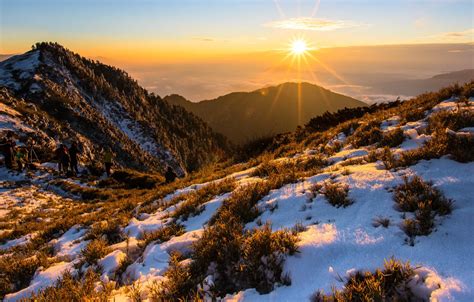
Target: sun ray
x,y
316,8
329,69
280,11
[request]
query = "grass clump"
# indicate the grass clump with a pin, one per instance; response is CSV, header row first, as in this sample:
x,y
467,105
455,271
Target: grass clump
x,y
366,134
130,179
337,194
193,203
414,190
392,283
242,203
234,259
17,270
95,250
392,138
110,230
180,283
164,234
381,221
71,288
421,198
262,258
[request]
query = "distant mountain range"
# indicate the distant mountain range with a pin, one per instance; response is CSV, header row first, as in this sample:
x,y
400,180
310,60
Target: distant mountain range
x,y
62,97
415,87
242,116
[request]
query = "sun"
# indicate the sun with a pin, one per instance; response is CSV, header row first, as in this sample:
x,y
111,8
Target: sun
x,y
299,47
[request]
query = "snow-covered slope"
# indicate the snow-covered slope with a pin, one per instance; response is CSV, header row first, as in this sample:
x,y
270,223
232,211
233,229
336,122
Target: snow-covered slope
x,y
333,242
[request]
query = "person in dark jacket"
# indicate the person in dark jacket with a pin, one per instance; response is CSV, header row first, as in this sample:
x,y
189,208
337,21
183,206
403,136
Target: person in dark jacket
x,y
170,175
63,159
73,153
8,150
108,161
21,157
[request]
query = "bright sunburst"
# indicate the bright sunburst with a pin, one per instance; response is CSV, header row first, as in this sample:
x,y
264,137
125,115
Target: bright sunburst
x,y
299,47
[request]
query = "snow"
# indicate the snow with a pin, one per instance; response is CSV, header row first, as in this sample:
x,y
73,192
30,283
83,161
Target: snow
x,y
111,263
346,240
346,154
198,221
22,66
390,123
16,242
136,228
335,242
69,244
118,116
41,280
9,123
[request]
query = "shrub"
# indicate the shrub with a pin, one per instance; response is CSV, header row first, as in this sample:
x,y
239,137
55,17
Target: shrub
x,y
17,270
179,282
381,221
130,179
392,138
367,134
268,168
242,203
461,147
193,204
312,162
390,284
412,191
220,244
388,159
415,114
107,229
95,250
70,288
164,233
337,194
235,259
453,120
262,259
426,202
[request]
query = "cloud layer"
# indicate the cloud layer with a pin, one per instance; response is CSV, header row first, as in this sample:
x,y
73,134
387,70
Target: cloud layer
x,y
306,23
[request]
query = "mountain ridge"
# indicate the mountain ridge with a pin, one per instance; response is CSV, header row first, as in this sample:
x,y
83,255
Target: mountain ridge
x,y
102,106
242,116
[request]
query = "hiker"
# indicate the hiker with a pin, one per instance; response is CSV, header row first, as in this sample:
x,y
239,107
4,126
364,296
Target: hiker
x,y
8,148
73,152
21,157
108,157
63,158
170,175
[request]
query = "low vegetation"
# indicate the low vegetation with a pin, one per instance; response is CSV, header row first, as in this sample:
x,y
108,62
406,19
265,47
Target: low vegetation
x,y
94,251
163,234
75,288
194,202
235,259
392,138
426,202
337,194
392,283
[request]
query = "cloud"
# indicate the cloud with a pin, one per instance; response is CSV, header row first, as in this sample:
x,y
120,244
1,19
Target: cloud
x,y
204,39
468,33
305,23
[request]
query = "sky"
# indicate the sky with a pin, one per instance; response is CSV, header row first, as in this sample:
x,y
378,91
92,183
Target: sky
x,y
140,35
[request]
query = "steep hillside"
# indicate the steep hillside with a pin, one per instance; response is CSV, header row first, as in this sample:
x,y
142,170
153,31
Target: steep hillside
x,y
242,116
68,97
376,207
